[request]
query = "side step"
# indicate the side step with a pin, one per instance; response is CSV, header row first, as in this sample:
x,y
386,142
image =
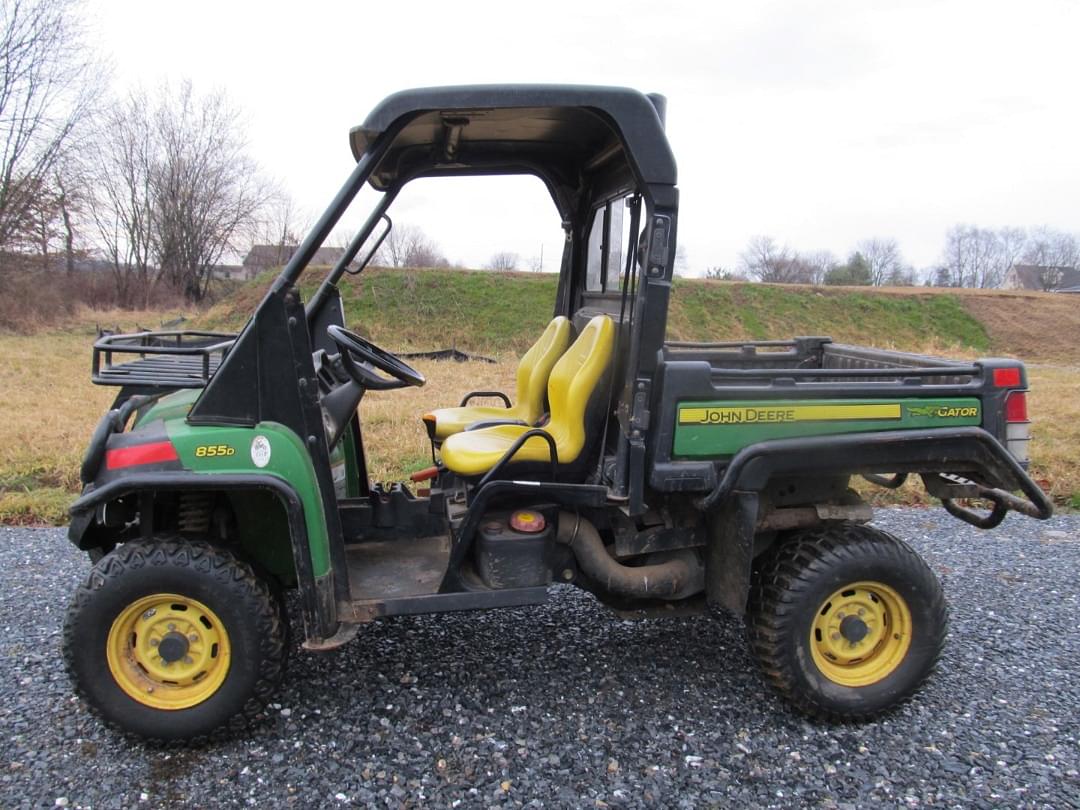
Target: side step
x,y
366,610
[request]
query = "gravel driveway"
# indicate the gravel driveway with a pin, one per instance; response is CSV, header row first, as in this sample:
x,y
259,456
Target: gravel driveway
x,y
567,705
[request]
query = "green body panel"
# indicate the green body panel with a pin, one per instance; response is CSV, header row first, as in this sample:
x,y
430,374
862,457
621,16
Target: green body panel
x,y
723,428
172,406
288,460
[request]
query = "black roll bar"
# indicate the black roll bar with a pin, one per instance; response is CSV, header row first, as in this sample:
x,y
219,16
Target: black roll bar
x,y
321,295
303,255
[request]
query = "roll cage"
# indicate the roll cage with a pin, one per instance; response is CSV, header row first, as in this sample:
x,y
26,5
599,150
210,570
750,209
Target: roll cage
x,y
592,147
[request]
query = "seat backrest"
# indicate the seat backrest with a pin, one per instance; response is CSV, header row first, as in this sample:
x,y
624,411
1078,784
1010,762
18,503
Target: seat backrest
x,y
535,366
575,381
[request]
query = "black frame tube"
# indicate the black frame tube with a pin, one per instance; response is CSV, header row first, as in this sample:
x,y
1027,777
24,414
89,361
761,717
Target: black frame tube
x,y
323,293
300,259
519,442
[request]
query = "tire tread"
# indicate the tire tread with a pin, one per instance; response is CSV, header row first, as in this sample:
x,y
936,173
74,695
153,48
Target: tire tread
x,y
227,569
788,572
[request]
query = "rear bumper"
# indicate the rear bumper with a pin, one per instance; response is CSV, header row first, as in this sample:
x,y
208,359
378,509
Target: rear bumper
x,y
968,452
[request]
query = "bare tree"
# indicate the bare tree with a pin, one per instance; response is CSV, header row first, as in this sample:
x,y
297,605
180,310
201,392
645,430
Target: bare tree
x,y
765,259
55,216
409,246
1011,243
882,258
283,224
122,205
40,231
1052,252
768,261
206,187
818,263
47,88
504,260
979,257
72,198
175,190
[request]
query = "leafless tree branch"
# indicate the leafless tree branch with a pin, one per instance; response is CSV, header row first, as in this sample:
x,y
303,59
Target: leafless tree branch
x,y
48,87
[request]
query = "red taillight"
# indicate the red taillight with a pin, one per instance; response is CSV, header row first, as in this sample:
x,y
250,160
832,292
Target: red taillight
x,y
1007,378
1016,407
152,453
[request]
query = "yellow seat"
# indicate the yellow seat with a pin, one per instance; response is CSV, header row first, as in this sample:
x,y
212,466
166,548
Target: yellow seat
x,y
572,388
532,378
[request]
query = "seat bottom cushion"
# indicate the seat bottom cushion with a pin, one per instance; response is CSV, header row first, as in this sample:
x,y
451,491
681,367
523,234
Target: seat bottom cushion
x,y
449,421
476,452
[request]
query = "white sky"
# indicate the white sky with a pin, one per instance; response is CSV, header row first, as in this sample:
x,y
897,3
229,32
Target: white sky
x,y
818,123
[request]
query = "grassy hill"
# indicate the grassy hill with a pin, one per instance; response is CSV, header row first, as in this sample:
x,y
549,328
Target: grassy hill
x,y
502,313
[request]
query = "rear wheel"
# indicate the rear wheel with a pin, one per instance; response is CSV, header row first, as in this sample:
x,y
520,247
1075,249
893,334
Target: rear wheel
x,y
846,621
174,638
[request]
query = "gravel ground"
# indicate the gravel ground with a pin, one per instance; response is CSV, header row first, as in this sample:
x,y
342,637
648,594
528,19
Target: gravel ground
x,y
567,705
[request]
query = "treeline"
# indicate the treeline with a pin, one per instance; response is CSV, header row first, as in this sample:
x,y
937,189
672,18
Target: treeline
x,y
156,188
972,257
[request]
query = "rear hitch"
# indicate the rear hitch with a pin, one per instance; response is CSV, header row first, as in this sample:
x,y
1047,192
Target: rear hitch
x,y
950,488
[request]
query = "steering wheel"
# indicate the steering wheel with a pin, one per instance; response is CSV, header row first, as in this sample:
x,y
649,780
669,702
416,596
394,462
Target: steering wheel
x,y
355,347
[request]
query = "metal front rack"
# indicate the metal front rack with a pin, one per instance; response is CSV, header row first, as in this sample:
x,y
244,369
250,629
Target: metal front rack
x,y
161,360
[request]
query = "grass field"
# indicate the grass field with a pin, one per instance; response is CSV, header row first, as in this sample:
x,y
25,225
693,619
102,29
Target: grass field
x,y
51,406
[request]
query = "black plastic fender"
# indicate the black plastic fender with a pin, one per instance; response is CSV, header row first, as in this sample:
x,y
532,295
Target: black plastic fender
x,y
317,601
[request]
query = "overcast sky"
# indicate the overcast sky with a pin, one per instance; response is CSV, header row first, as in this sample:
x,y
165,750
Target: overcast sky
x,y
817,123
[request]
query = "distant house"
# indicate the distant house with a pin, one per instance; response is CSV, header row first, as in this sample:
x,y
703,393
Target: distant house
x,y
264,257
1042,277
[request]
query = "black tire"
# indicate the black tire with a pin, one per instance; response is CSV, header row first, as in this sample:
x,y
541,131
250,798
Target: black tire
x,y
792,590
251,618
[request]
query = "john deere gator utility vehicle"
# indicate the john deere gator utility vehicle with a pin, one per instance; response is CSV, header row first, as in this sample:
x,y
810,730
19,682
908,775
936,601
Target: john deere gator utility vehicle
x,y
649,472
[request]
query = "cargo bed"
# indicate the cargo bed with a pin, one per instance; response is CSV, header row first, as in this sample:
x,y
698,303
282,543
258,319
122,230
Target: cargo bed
x,y
715,402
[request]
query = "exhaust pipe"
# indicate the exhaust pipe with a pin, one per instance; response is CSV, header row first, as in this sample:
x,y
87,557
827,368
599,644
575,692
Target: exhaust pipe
x,y
677,578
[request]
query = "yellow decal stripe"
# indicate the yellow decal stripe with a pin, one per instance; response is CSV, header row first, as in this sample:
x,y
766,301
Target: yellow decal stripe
x,y
758,415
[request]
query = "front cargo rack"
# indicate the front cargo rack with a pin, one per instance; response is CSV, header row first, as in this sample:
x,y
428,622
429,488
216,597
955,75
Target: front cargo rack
x,y
161,360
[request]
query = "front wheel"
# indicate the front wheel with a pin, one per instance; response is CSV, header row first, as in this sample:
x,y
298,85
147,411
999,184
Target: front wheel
x,y
846,621
173,639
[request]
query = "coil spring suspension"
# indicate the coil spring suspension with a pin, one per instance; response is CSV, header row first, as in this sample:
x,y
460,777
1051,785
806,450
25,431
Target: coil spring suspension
x,y
196,509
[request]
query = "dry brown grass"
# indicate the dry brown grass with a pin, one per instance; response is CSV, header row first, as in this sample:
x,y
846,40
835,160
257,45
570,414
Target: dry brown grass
x,y
1018,322
33,301
50,408
1054,406
1030,325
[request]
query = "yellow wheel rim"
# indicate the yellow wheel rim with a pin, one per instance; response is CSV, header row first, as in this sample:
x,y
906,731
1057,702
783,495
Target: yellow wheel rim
x,y
168,651
860,634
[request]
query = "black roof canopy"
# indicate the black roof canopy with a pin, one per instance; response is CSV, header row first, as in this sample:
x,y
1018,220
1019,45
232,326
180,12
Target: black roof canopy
x,y
565,134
